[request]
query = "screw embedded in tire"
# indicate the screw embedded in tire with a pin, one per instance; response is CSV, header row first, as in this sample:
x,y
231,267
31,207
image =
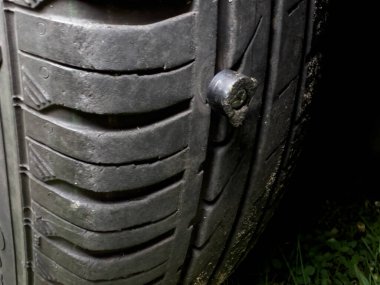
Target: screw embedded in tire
x,y
230,94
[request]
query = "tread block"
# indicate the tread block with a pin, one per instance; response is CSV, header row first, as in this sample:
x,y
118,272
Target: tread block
x,y
47,271
52,226
221,213
225,160
47,84
291,50
280,118
95,215
205,260
96,144
237,23
108,267
100,178
108,47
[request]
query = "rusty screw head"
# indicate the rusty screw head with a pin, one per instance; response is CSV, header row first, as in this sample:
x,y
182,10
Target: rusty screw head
x,y
230,94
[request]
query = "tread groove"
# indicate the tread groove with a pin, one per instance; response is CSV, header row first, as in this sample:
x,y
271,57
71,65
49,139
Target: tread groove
x,y
285,88
120,196
106,254
137,227
142,72
208,240
275,149
112,122
236,66
216,198
150,161
294,7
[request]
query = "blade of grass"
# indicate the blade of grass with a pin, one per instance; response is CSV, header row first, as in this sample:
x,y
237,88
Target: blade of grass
x,y
301,261
368,248
362,279
288,266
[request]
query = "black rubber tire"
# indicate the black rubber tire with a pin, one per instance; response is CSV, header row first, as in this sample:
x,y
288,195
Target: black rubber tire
x,y
113,167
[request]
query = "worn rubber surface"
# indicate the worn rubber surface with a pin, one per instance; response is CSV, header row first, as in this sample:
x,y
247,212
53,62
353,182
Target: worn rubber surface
x,y
113,167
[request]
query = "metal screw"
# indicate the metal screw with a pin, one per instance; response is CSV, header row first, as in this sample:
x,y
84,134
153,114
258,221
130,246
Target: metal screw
x,y
230,94
239,100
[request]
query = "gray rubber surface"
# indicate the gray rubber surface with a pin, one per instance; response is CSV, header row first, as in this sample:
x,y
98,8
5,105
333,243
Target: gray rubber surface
x,y
113,167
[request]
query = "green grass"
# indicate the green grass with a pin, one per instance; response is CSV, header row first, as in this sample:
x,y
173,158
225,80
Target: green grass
x,y
341,247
